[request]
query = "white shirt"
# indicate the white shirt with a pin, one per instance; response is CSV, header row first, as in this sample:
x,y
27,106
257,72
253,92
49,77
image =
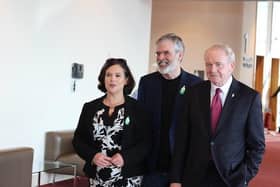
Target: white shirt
x,y
224,90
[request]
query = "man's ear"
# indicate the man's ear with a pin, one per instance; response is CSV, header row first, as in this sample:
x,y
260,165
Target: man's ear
x,y
233,65
181,55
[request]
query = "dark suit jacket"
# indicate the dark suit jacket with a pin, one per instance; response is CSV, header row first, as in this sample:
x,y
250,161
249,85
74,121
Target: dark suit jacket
x,y
237,146
135,138
150,95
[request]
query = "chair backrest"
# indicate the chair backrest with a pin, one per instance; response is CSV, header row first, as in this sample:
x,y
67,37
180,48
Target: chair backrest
x,y
16,167
58,143
58,147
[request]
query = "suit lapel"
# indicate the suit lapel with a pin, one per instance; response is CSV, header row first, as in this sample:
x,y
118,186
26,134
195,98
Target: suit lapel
x,y
181,91
157,97
180,95
230,101
178,105
205,101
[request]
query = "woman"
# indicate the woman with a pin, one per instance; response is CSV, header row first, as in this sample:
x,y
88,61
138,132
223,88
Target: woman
x,y
112,135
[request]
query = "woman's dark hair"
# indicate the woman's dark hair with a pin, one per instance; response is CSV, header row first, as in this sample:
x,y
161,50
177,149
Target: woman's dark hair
x,y
121,62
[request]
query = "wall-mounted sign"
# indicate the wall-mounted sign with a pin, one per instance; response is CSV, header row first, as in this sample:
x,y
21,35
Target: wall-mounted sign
x,y
247,62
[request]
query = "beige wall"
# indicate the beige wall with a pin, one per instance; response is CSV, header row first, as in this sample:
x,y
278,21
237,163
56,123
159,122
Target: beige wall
x,y
202,24
247,74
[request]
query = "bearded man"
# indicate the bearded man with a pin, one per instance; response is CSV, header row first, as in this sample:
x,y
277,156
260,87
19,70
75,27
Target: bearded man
x,y
163,94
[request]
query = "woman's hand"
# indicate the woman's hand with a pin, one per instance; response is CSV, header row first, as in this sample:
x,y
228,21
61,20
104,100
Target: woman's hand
x,y
117,160
101,160
175,185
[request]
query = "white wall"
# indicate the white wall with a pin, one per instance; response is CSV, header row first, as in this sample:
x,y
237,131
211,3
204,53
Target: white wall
x,y
39,42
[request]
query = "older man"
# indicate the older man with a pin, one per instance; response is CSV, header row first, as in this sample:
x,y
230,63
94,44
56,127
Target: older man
x,y
220,141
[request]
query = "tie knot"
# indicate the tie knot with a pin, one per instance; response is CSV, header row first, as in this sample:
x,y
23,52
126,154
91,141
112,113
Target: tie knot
x,y
218,91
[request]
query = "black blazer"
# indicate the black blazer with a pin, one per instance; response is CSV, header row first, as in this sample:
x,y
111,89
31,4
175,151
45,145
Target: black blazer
x,y
150,95
135,138
237,147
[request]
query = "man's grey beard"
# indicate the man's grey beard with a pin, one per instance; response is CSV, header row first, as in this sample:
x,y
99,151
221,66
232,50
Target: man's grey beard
x,y
168,69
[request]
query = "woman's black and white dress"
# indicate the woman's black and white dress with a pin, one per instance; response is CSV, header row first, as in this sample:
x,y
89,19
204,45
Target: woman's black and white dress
x,y
107,132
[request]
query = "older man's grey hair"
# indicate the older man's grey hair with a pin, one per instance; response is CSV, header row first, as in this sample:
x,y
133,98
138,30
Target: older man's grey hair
x,y
228,51
178,42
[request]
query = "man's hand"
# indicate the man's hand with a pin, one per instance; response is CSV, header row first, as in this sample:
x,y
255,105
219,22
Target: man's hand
x,y
117,160
101,160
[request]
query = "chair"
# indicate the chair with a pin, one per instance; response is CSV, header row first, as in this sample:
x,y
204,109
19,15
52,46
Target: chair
x,y
58,147
16,167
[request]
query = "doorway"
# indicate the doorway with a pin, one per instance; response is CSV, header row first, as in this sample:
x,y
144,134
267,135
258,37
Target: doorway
x,y
274,93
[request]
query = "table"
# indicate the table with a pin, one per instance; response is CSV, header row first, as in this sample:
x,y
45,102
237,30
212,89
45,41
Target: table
x,y
49,166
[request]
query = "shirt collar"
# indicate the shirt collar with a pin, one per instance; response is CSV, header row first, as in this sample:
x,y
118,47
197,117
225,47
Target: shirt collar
x,y
224,88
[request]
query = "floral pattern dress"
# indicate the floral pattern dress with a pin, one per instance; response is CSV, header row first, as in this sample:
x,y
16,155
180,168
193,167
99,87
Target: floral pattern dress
x,y
108,132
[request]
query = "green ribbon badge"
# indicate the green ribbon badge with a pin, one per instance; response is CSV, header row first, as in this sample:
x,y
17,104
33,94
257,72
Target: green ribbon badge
x,y
127,120
183,90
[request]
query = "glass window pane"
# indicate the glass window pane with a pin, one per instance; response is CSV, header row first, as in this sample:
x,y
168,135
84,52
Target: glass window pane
x,y
275,40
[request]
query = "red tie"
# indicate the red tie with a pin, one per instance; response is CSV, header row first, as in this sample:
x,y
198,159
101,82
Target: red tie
x,y
216,108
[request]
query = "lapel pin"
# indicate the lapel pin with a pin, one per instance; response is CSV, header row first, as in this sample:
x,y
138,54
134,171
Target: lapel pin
x,y
232,95
183,90
127,120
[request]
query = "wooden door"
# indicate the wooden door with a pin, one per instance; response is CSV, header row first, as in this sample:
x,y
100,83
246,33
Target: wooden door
x,y
259,74
273,87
